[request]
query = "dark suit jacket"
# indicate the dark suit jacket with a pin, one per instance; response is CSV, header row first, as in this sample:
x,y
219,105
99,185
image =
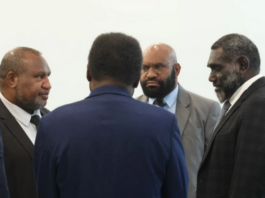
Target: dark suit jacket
x,y
3,183
234,163
196,119
109,146
18,156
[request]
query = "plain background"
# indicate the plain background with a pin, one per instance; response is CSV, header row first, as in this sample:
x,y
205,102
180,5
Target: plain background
x,y
64,30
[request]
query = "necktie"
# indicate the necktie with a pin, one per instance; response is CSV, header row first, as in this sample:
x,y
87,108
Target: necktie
x,y
225,108
35,119
159,102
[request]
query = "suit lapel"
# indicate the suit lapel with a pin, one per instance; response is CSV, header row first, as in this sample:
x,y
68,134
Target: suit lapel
x,y
259,83
182,112
220,125
44,111
142,98
13,126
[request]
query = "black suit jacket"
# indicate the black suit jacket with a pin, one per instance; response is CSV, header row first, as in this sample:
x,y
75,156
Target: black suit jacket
x,y
18,152
3,183
234,163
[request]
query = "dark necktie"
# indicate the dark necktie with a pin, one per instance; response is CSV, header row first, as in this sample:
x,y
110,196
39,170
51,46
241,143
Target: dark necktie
x,y
225,108
35,119
159,102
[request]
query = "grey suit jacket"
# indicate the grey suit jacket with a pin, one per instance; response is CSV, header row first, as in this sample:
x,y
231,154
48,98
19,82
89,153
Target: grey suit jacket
x,y
196,117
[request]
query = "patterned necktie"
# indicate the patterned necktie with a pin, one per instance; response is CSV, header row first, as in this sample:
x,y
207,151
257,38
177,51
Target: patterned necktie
x,y
35,119
159,103
225,108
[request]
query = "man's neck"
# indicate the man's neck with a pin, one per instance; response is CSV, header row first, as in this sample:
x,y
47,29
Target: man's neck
x,y
95,84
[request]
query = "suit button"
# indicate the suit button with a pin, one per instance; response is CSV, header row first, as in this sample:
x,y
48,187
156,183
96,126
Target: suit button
x,y
200,180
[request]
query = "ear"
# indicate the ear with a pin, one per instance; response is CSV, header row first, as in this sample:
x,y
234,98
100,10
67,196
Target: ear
x,y
88,76
12,79
243,64
177,68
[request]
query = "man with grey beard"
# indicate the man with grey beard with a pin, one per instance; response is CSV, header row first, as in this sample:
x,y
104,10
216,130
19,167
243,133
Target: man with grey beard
x,y
24,90
233,164
196,115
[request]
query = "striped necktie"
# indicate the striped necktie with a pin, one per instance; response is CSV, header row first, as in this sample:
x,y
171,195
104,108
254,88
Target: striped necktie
x,y
225,108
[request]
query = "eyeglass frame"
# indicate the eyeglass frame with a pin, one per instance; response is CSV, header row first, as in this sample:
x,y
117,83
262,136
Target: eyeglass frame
x,y
162,66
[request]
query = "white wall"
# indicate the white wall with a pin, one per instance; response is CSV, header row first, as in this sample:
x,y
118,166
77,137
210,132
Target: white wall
x,y
63,30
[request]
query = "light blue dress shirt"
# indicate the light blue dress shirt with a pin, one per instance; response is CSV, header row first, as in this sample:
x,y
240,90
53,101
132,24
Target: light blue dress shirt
x,y
170,100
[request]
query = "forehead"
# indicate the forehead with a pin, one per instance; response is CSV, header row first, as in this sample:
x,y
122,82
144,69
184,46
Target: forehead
x,y
217,57
35,62
156,55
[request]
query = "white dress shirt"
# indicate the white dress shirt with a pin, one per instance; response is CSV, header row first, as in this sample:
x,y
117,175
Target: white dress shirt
x,y
23,118
241,90
170,100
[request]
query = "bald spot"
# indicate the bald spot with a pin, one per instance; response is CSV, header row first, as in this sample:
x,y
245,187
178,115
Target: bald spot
x,y
159,53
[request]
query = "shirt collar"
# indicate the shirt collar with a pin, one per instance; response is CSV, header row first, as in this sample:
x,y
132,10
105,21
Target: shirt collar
x,y
21,115
243,88
169,99
109,89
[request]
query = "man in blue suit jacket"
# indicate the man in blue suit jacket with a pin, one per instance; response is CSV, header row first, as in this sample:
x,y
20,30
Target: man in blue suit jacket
x,y
110,145
3,183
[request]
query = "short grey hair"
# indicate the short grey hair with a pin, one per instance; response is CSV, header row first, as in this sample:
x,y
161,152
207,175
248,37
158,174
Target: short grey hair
x,y
235,45
13,61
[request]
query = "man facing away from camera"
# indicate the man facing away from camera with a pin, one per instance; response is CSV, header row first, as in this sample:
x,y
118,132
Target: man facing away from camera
x,y
25,86
233,164
110,145
196,115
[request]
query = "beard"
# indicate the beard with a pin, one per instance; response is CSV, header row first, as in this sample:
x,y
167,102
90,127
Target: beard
x,y
27,104
165,87
228,83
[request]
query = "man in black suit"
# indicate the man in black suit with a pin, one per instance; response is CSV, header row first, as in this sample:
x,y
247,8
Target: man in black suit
x,y
3,183
24,88
234,161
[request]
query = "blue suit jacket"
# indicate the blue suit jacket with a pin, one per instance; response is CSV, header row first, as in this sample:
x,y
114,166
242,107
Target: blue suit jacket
x,y
3,183
109,146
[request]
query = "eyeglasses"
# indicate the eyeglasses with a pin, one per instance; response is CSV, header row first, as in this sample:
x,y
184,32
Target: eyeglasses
x,y
157,68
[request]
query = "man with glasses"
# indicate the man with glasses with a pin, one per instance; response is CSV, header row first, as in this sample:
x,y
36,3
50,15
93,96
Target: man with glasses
x,y
196,115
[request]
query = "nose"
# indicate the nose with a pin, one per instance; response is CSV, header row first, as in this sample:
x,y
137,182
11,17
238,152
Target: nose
x,y
212,77
151,73
46,84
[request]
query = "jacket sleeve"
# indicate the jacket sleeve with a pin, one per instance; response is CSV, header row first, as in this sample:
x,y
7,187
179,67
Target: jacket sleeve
x,y
248,179
176,178
3,182
211,120
44,166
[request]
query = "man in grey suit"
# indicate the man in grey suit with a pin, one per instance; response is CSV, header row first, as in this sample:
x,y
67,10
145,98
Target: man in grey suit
x,y
196,115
